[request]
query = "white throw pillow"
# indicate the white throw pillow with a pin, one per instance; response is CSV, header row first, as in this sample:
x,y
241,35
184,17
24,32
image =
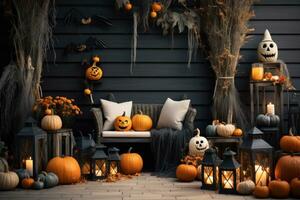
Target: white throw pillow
x,y
173,113
111,110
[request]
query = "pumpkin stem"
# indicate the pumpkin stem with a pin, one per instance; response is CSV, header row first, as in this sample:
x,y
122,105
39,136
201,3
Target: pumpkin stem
x,y
140,112
197,132
129,150
291,132
124,114
6,169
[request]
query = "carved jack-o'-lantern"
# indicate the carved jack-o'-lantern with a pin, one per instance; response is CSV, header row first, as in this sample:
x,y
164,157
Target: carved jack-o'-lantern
x,y
267,50
94,72
198,145
123,123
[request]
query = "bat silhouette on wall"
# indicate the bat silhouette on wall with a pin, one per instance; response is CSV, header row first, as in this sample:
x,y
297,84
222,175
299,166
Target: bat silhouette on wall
x,y
90,44
76,17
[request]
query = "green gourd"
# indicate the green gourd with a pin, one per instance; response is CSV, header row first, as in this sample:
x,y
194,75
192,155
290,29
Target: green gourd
x,y
22,173
38,185
211,129
50,179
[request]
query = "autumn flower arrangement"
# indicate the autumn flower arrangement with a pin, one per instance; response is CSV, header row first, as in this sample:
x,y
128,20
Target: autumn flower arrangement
x,y
61,106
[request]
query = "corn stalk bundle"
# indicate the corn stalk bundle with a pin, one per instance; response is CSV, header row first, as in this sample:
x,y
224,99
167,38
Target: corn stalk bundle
x,y
32,22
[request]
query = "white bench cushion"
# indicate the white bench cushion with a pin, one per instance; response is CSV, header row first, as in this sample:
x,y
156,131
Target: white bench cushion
x,y
130,134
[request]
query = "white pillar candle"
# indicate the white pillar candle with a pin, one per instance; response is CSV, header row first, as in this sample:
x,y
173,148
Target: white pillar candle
x,y
29,166
271,108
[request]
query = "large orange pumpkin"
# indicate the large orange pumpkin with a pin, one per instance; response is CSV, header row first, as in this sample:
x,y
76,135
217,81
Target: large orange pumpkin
x,y
66,168
122,123
290,143
279,189
51,122
141,122
186,173
131,163
287,168
295,187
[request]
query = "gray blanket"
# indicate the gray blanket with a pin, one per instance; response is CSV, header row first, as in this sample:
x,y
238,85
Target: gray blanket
x,y
167,147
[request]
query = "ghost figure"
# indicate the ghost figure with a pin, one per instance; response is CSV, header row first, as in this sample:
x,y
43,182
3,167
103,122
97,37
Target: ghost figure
x,y
267,50
198,145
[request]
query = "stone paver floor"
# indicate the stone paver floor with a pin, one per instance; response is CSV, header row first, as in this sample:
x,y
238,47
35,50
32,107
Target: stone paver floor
x,y
144,187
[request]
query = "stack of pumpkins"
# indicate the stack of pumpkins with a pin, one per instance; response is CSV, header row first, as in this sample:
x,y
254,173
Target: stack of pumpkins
x,y
139,122
222,129
287,171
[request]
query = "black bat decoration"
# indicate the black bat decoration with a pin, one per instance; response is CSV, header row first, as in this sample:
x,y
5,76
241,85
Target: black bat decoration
x,y
75,16
90,44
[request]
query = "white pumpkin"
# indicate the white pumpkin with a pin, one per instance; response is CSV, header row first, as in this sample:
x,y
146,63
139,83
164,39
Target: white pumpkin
x,y
245,187
267,50
225,130
198,145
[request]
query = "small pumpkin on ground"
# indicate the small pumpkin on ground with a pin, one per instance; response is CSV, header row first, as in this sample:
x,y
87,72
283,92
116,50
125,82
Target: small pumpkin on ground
x,y
290,143
279,189
66,168
49,179
261,191
27,182
186,172
38,185
225,130
8,180
141,122
295,187
211,129
122,123
237,132
245,187
131,163
287,168
51,122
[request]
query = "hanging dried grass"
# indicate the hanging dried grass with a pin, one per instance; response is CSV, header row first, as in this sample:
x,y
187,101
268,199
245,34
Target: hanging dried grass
x,y
225,28
32,23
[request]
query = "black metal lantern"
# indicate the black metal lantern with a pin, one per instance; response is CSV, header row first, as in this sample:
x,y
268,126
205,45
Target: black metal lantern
x,y
113,161
98,163
229,173
256,158
209,169
32,148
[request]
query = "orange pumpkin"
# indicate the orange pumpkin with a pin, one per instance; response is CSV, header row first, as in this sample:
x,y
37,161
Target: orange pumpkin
x,y
128,6
186,173
156,7
287,168
131,163
261,191
290,143
66,168
27,182
51,122
141,122
279,189
295,187
237,132
153,14
122,123
48,111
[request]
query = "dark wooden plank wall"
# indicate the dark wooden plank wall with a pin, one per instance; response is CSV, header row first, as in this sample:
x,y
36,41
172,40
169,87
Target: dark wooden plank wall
x,y
161,69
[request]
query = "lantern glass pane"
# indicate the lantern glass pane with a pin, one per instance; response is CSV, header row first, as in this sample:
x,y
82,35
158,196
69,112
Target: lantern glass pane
x,y
113,168
262,169
208,175
247,169
100,167
227,179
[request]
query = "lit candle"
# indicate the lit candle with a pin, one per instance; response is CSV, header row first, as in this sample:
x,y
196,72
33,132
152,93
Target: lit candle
x,y
271,108
113,169
208,179
261,175
228,184
29,166
257,72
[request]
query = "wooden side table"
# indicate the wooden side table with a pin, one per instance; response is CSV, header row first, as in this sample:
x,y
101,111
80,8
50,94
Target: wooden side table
x,y
60,143
224,142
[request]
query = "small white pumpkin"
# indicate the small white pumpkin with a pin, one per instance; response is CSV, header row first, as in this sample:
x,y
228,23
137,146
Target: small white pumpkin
x,y
225,130
198,145
267,50
245,187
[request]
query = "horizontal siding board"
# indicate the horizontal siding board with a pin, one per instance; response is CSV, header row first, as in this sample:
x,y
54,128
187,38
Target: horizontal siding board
x,y
165,42
125,27
162,56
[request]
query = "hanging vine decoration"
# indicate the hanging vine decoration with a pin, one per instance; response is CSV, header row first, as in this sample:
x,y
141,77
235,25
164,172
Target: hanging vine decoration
x,y
166,18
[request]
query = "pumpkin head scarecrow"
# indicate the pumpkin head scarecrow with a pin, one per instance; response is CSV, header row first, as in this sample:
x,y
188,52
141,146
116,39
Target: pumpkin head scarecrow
x,y
93,72
198,145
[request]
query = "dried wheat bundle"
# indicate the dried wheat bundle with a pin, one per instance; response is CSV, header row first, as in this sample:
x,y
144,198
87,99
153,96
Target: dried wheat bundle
x,y
225,29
